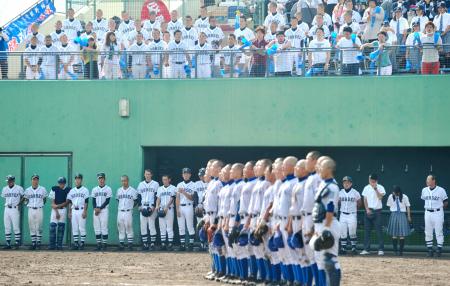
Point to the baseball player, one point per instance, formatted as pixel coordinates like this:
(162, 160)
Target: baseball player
(203, 57)
(132, 36)
(177, 56)
(311, 185)
(58, 216)
(151, 24)
(295, 222)
(230, 58)
(296, 36)
(199, 194)
(147, 190)
(203, 21)
(71, 26)
(48, 56)
(12, 194)
(164, 205)
(175, 24)
(126, 197)
(101, 196)
(35, 196)
(56, 35)
(32, 60)
(157, 47)
(243, 30)
(125, 27)
(138, 60)
(189, 33)
(66, 58)
(35, 33)
(100, 25)
(274, 16)
(282, 211)
(436, 200)
(78, 199)
(214, 36)
(185, 209)
(326, 225)
(349, 201)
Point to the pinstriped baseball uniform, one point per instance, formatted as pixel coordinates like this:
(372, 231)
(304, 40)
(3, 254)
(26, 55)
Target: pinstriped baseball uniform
(100, 195)
(36, 199)
(11, 215)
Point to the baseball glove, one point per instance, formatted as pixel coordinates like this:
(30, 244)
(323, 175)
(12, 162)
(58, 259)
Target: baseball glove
(261, 230)
(211, 230)
(253, 239)
(198, 212)
(146, 212)
(200, 224)
(234, 236)
(324, 241)
(161, 213)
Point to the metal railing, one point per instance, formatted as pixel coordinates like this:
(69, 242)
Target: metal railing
(304, 62)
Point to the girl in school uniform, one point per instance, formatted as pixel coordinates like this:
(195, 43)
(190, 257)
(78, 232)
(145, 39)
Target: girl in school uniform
(110, 57)
(399, 220)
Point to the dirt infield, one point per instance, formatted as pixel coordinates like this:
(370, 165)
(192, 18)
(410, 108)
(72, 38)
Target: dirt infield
(133, 268)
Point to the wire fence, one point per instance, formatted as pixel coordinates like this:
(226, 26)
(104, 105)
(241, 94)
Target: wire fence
(224, 63)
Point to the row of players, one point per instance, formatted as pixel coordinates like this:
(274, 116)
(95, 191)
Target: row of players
(154, 201)
(281, 221)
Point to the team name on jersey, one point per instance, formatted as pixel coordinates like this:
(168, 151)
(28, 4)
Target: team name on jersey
(127, 30)
(100, 28)
(213, 35)
(432, 198)
(189, 37)
(348, 199)
(78, 195)
(178, 49)
(35, 196)
(12, 195)
(100, 194)
(166, 194)
(70, 27)
(125, 196)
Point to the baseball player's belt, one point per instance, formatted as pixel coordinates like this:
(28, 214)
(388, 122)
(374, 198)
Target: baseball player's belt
(432, 211)
(297, 217)
(244, 215)
(146, 205)
(78, 208)
(183, 205)
(347, 213)
(178, 63)
(11, 207)
(35, 208)
(125, 210)
(210, 213)
(255, 215)
(281, 217)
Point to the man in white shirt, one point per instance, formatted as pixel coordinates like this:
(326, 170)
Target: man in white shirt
(138, 30)
(282, 58)
(243, 30)
(126, 197)
(435, 200)
(350, 48)
(189, 33)
(174, 24)
(319, 24)
(177, 56)
(151, 23)
(373, 194)
(203, 21)
(442, 23)
(319, 58)
(139, 60)
(203, 57)
(126, 26)
(71, 26)
(274, 16)
(100, 26)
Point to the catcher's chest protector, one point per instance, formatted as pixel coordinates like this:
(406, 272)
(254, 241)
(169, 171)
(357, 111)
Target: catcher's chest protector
(319, 211)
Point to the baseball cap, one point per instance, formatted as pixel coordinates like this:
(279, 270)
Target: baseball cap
(398, 9)
(101, 175)
(373, 177)
(414, 24)
(347, 178)
(186, 170)
(442, 5)
(201, 172)
(35, 176)
(348, 29)
(78, 175)
(10, 178)
(280, 33)
(62, 180)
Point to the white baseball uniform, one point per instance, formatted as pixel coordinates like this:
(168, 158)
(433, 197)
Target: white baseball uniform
(244, 211)
(147, 191)
(100, 27)
(177, 59)
(166, 195)
(56, 37)
(149, 26)
(189, 35)
(125, 199)
(246, 33)
(295, 212)
(66, 57)
(201, 24)
(99, 197)
(311, 185)
(138, 53)
(79, 199)
(11, 215)
(434, 214)
(124, 29)
(36, 199)
(172, 26)
(231, 58)
(211, 199)
(40, 38)
(203, 60)
(214, 35)
(348, 200)
(200, 189)
(133, 35)
(157, 46)
(32, 56)
(296, 37)
(186, 211)
(274, 17)
(72, 28)
(48, 65)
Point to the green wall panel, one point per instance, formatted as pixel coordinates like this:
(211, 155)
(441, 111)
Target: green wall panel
(82, 117)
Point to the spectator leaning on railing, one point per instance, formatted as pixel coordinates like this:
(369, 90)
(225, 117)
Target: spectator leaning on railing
(381, 55)
(430, 43)
(349, 44)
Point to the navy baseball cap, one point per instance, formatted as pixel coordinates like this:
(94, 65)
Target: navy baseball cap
(62, 180)
(201, 172)
(186, 170)
(347, 178)
(35, 176)
(101, 175)
(398, 9)
(442, 5)
(10, 178)
(78, 175)
(421, 7)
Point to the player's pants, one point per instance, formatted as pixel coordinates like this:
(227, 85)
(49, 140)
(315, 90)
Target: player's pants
(186, 219)
(35, 216)
(78, 225)
(348, 225)
(65, 75)
(101, 222)
(204, 71)
(11, 216)
(166, 226)
(177, 70)
(298, 255)
(125, 225)
(30, 74)
(306, 228)
(434, 222)
(139, 71)
(49, 71)
(298, 62)
(62, 216)
(148, 223)
(111, 70)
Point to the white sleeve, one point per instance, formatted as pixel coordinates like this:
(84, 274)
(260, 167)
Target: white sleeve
(406, 201)
(358, 196)
(444, 195)
(390, 201)
(364, 192)
(45, 192)
(382, 190)
(109, 193)
(3, 192)
(51, 195)
(422, 196)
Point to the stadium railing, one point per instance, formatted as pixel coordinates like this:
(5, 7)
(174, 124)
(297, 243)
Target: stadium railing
(217, 63)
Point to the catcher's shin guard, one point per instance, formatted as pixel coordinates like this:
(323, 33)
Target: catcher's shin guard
(333, 273)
